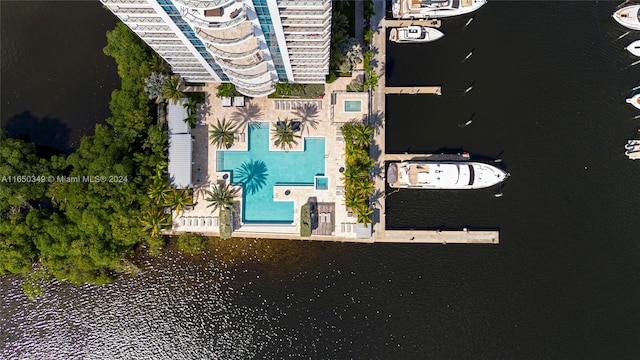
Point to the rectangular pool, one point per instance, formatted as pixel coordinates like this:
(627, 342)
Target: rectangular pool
(353, 106)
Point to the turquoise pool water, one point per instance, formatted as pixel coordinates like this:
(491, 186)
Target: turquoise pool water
(352, 106)
(259, 169)
(322, 183)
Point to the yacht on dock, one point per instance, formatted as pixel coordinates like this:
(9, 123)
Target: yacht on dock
(450, 175)
(414, 34)
(431, 9)
(634, 48)
(627, 16)
(634, 100)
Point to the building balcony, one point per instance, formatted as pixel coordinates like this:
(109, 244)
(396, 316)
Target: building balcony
(154, 27)
(227, 40)
(318, 31)
(131, 10)
(306, 37)
(202, 4)
(256, 80)
(250, 92)
(243, 66)
(197, 18)
(232, 55)
(305, 14)
(289, 4)
(109, 2)
(293, 22)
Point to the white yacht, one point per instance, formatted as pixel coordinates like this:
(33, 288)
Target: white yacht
(463, 175)
(414, 34)
(635, 101)
(634, 48)
(431, 9)
(627, 16)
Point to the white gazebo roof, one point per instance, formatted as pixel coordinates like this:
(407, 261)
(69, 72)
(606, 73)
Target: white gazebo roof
(176, 113)
(180, 158)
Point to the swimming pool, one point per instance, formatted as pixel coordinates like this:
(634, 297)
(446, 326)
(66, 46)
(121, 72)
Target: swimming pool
(259, 169)
(352, 106)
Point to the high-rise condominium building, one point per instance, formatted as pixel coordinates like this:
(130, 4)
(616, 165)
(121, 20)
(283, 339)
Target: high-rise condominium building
(250, 43)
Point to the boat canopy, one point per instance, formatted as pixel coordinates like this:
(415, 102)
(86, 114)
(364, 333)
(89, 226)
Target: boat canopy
(392, 174)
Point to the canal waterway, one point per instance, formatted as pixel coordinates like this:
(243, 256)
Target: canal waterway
(56, 82)
(549, 83)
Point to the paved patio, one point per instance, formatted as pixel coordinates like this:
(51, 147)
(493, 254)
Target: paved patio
(327, 120)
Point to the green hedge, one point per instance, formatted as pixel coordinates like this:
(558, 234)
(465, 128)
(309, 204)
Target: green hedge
(192, 243)
(305, 221)
(225, 224)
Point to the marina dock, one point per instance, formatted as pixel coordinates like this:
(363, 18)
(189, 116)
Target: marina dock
(380, 233)
(441, 237)
(413, 90)
(427, 157)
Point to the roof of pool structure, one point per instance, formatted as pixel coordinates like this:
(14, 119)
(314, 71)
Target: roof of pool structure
(258, 170)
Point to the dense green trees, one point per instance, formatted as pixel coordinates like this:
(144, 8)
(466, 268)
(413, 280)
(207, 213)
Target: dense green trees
(357, 181)
(77, 216)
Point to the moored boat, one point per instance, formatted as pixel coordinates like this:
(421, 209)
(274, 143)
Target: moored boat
(634, 48)
(414, 34)
(627, 16)
(451, 175)
(634, 100)
(432, 9)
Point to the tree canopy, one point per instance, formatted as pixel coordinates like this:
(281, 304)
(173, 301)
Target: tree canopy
(79, 215)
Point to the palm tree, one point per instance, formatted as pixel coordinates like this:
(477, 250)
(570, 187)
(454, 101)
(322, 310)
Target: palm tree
(364, 213)
(339, 23)
(178, 199)
(227, 90)
(223, 134)
(283, 88)
(362, 134)
(154, 85)
(284, 135)
(159, 191)
(246, 115)
(364, 188)
(222, 197)
(307, 114)
(153, 220)
(170, 89)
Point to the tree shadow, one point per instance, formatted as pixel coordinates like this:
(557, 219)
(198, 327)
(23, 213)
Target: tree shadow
(390, 66)
(247, 115)
(307, 114)
(253, 175)
(45, 132)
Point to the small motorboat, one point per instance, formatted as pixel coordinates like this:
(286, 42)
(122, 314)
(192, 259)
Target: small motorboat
(631, 144)
(634, 100)
(627, 16)
(633, 155)
(414, 34)
(634, 48)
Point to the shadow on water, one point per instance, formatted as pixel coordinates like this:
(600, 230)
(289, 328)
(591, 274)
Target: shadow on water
(253, 175)
(44, 132)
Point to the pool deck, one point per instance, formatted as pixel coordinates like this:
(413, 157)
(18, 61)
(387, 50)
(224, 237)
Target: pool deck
(330, 117)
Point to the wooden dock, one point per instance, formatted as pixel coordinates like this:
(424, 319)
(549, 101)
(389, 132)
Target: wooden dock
(434, 23)
(413, 90)
(464, 236)
(427, 157)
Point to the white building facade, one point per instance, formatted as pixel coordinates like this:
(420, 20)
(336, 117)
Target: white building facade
(250, 43)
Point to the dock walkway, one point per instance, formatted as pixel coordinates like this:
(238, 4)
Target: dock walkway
(413, 90)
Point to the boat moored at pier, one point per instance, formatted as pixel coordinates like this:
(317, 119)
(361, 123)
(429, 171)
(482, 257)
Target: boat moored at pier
(414, 34)
(634, 48)
(628, 16)
(449, 175)
(432, 9)
(634, 100)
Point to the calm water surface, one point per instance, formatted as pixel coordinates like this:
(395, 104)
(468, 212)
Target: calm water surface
(56, 82)
(549, 82)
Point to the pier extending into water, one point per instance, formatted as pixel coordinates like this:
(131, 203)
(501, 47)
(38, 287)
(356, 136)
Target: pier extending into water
(380, 233)
(413, 90)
